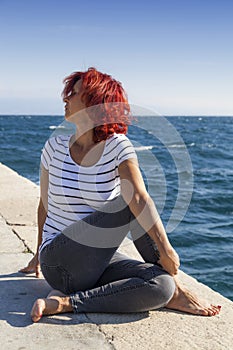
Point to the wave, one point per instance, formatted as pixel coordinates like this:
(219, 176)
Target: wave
(53, 127)
(143, 148)
(181, 145)
(146, 148)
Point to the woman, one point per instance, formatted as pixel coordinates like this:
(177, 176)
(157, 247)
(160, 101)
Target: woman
(92, 194)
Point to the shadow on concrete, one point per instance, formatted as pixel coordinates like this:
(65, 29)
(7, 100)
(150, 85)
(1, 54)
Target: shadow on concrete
(18, 292)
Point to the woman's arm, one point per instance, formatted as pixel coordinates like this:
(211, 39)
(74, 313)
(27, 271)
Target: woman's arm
(33, 265)
(43, 204)
(142, 206)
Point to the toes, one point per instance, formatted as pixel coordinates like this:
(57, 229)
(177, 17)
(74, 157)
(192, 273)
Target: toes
(203, 312)
(216, 309)
(36, 318)
(213, 311)
(37, 310)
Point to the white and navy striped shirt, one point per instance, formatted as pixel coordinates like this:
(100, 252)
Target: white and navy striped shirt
(75, 191)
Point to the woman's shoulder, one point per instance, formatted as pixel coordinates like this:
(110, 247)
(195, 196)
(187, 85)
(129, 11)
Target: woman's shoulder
(57, 141)
(62, 139)
(122, 147)
(117, 138)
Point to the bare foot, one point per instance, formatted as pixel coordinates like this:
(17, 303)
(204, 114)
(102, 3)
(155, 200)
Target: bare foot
(55, 293)
(55, 303)
(184, 300)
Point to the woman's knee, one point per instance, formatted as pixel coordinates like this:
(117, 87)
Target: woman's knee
(164, 287)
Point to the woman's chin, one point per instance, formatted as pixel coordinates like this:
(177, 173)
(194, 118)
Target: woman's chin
(68, 117)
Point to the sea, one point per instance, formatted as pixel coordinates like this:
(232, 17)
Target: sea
(187, 166)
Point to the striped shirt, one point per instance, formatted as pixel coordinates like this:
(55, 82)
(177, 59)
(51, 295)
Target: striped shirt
(76, 191)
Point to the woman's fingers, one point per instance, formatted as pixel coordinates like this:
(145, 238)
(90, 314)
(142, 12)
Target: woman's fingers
(38, 272)
(27, 269)
(170, 261)
(33, 266)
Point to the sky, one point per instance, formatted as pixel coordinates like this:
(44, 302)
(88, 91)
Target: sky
(173, 57)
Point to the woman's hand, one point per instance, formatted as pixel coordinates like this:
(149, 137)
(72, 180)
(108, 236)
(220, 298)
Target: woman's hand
(169, 260)
(33, 266)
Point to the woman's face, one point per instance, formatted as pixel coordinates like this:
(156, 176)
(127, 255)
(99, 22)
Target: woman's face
(73, 103)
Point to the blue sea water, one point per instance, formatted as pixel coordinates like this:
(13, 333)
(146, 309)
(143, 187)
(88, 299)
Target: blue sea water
(203, 238)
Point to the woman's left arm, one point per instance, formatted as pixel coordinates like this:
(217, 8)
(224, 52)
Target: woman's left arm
(142, 206)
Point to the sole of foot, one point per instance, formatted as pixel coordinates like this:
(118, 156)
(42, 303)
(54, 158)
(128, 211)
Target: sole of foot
(55, 303)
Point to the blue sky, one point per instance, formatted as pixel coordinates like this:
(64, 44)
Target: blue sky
(172, 56)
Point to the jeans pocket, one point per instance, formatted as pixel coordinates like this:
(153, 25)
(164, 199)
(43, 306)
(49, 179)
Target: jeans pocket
(57, 277)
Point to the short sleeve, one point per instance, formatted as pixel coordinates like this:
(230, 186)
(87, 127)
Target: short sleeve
(125, 150)
(47, 153)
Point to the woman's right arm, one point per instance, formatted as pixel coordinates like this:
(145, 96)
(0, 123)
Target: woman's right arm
(34, 265)
(142, 206)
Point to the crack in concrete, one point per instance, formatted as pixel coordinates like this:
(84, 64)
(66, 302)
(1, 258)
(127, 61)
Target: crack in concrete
(14, 224)
(108, 339)
(28, 249)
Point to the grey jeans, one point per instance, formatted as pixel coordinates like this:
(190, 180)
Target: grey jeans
(83, 262)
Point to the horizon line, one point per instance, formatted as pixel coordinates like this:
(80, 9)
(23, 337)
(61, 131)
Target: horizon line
(149, 115)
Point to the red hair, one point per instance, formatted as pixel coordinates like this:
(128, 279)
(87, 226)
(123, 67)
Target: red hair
(110, 108)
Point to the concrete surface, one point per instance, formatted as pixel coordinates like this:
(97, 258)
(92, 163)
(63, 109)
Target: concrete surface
(161, 329)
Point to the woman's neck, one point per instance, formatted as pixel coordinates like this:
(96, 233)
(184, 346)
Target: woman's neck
(84, 130)
(84, 139)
